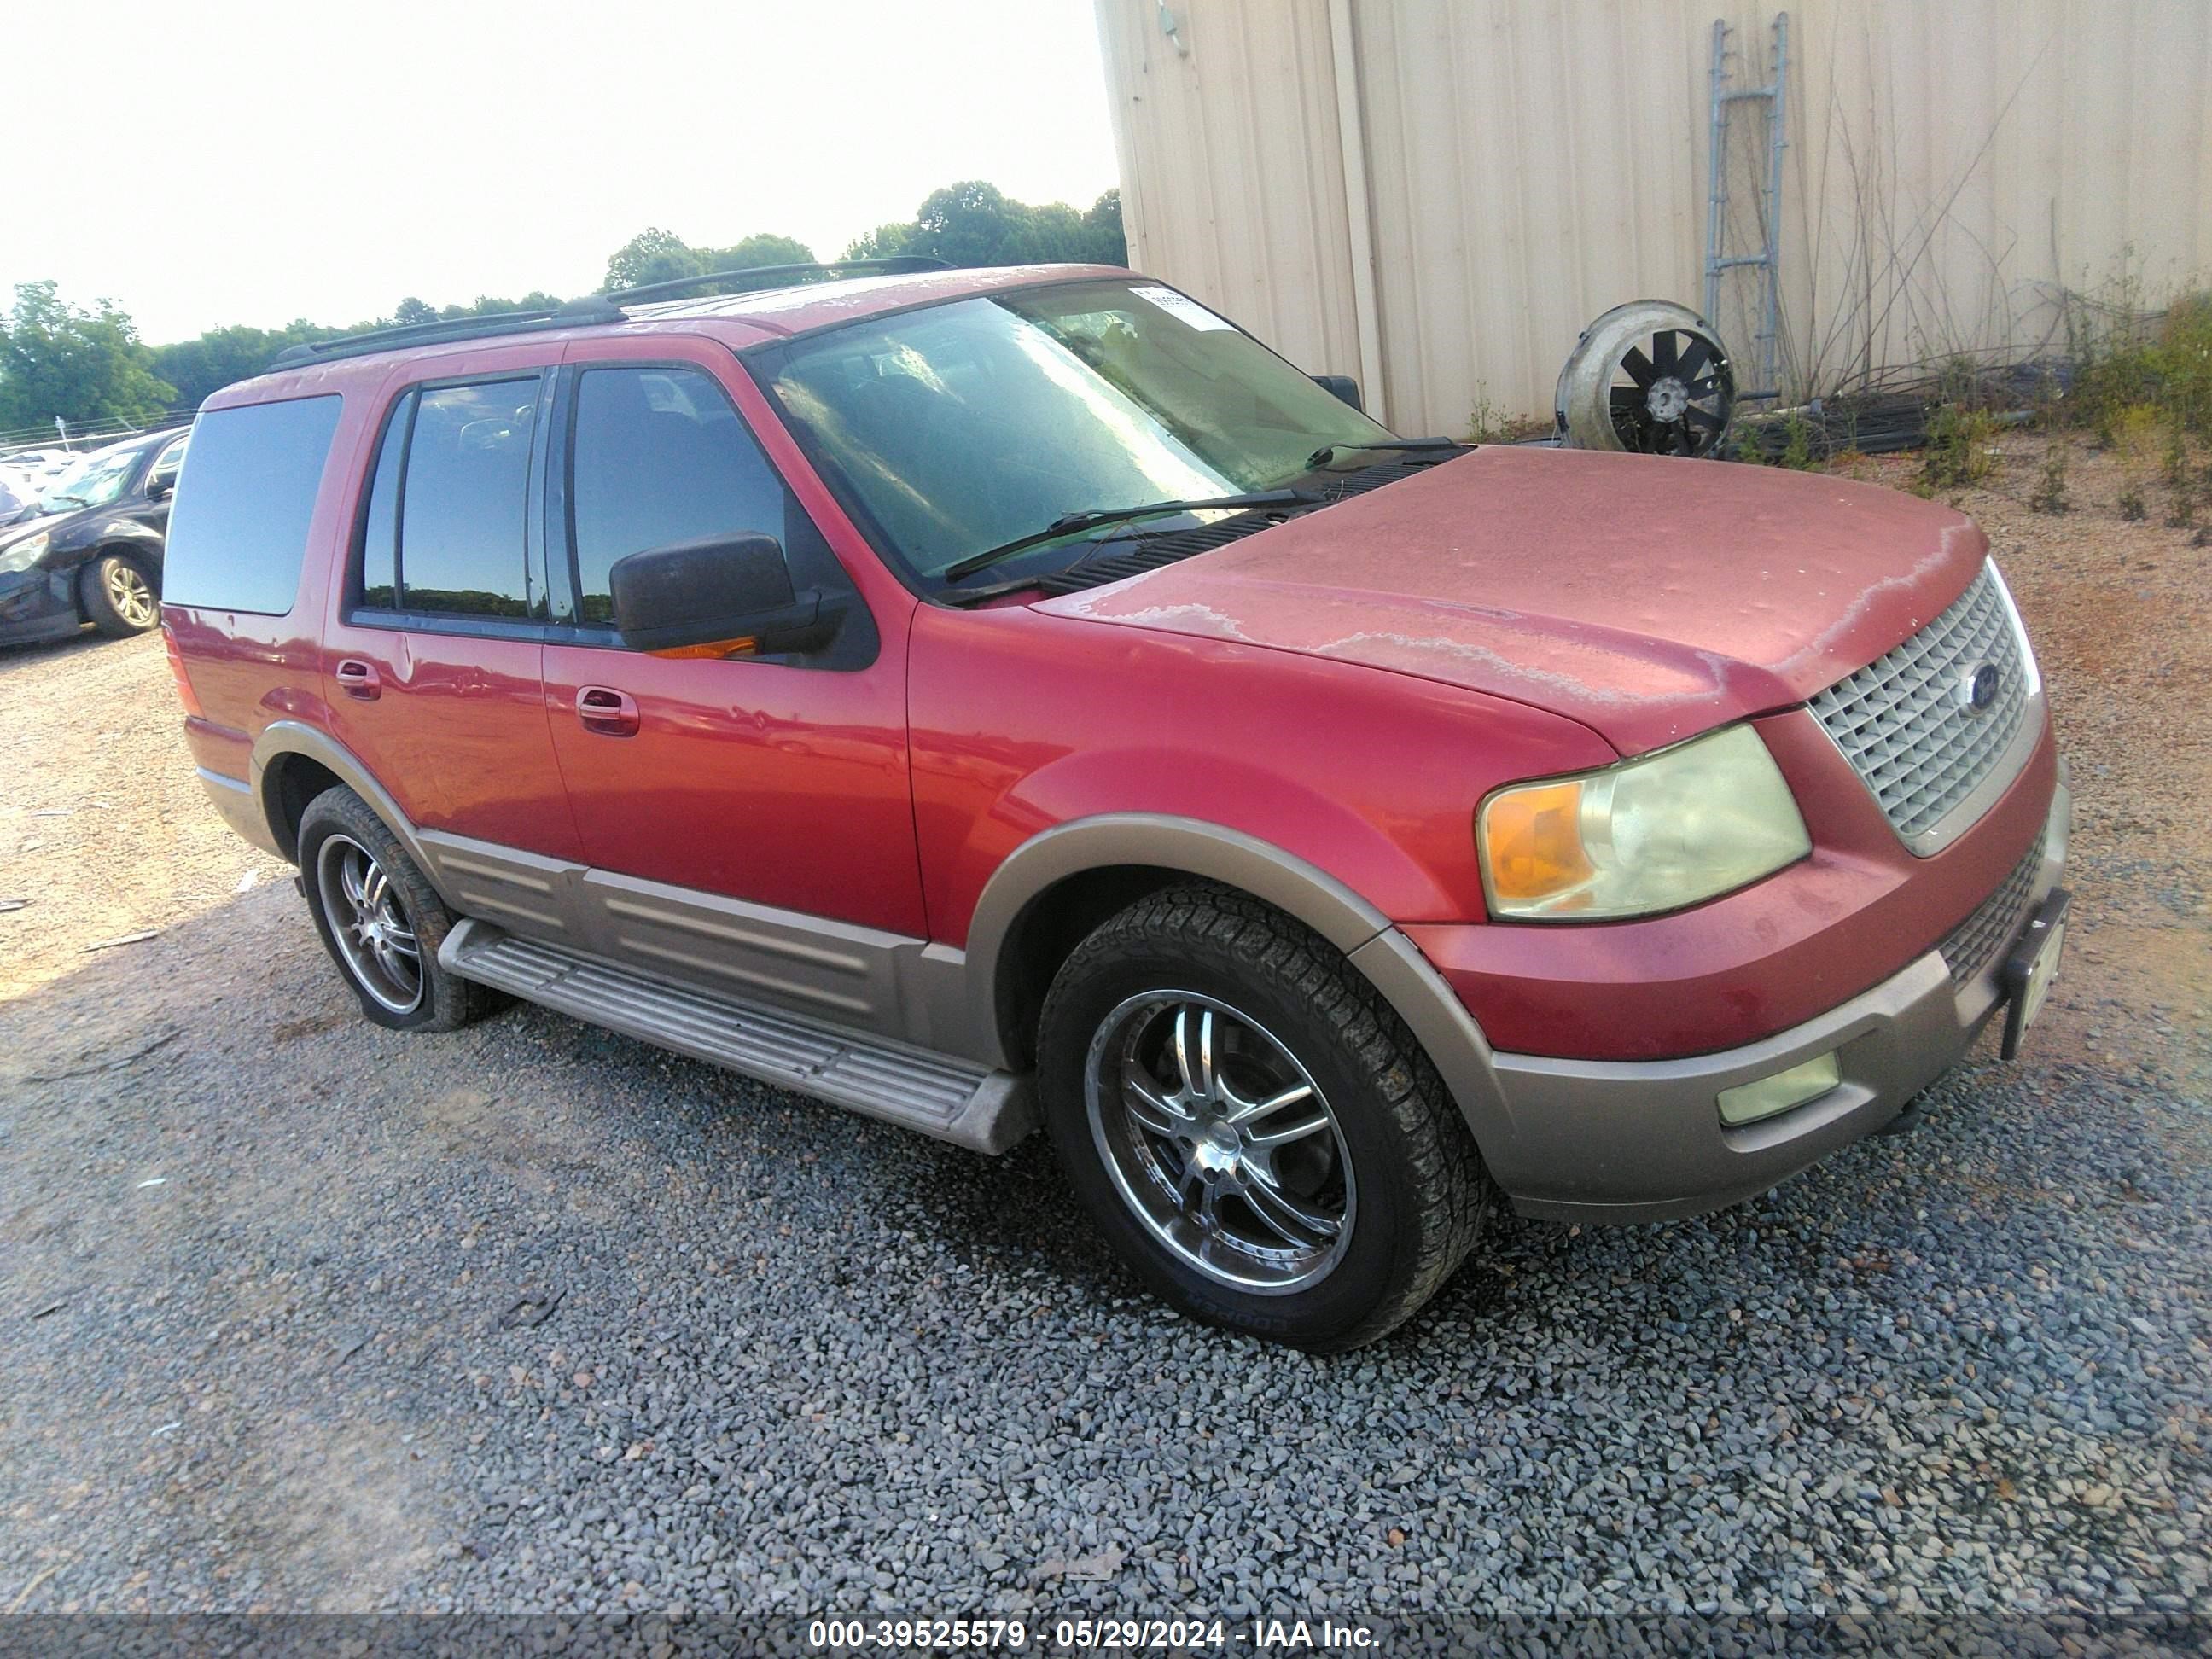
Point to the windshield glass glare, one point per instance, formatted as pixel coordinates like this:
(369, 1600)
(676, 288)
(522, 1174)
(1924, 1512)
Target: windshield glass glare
(964, 426)
(95, 481)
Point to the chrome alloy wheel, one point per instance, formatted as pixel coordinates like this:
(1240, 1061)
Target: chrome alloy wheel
(372, 933)
(130, 593)
(1219, 1142)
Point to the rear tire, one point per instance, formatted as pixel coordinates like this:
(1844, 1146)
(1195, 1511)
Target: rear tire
(1251, 1126)
(120, 597)
(380, 919)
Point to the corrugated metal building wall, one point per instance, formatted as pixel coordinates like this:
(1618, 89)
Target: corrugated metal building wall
(1439, 195)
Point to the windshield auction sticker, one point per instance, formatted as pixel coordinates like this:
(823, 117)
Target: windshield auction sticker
(1180, 305)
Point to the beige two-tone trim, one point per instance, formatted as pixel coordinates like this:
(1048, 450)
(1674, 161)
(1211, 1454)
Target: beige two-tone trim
(281, 739)
(1192, 847)
(901, 995)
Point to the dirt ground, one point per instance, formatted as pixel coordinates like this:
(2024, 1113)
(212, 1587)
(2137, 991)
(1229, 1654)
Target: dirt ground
(105, 831)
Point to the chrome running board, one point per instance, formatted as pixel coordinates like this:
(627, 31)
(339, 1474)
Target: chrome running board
(954, 1100)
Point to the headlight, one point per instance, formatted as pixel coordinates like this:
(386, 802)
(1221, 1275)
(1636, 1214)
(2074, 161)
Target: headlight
(18, 556)
(1654, 834)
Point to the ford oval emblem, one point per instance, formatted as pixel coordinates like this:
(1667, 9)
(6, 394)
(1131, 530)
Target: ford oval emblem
(1977, 689)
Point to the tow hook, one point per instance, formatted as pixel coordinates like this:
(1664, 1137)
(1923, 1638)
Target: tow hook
(1906, 1120)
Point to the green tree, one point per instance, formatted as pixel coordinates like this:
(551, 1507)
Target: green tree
(1103, 242)
(412, 311)
(971, 223)
(485, 304)
(662, 256)
(652, 255)
(883, 242)
(57, 359)
(198, 367)
(766, 248)
(976, 224)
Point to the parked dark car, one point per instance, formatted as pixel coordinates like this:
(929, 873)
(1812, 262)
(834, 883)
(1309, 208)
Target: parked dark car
(91, 552)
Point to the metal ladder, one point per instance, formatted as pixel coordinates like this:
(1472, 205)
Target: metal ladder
(1768, 260)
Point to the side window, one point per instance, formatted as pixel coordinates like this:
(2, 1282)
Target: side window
(239, 532)
(166, 465)
(462, 508)
(443, 533)
(659, 455)
(379, 542)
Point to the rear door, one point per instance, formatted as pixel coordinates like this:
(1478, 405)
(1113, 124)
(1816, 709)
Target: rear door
(433, 661)
(779, 784)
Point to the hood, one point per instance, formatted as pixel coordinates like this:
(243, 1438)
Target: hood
(1650, 599)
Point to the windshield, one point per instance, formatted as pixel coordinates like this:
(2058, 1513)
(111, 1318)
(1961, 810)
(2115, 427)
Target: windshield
(95, 481)
(965, 426)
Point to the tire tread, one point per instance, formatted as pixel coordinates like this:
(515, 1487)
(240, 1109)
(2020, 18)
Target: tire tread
(1305, 969)
(450, 1002)
(93, 597)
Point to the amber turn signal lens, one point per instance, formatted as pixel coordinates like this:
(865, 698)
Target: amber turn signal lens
(713, 648)
(1534, 842)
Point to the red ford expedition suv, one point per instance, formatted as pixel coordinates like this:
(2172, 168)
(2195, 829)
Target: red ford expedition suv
(990, 699)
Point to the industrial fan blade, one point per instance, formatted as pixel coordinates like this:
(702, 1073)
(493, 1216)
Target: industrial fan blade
(1649, 377)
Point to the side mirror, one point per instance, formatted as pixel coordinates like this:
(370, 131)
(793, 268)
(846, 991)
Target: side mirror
(160, 486)
(721, 596)
(1342, 387)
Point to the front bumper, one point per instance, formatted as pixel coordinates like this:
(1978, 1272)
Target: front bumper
(37, 605)
(1641, 1140)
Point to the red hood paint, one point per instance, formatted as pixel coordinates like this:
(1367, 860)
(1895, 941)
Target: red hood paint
(1651, 600)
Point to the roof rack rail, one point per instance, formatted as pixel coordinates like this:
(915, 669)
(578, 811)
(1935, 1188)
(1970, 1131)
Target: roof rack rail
(447, 328)
(591, 309)
(654, 290)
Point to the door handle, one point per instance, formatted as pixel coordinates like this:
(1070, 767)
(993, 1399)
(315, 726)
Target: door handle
(360, 679)
(610, 713)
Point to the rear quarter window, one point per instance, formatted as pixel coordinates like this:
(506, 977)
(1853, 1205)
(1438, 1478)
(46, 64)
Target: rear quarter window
(244, 503)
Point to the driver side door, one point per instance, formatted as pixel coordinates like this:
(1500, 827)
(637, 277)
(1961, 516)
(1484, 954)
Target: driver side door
(748, 822)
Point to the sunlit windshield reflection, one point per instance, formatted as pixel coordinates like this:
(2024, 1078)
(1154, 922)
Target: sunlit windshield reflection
(96, 480)
(965, 426)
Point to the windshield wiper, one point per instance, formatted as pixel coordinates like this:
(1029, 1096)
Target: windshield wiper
(1327, 453)
(56, 496)
(1068, 523)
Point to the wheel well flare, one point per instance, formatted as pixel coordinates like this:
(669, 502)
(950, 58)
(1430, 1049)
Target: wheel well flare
(288, 782)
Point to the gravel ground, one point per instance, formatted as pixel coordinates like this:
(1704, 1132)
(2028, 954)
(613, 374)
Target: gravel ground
(300, 1314)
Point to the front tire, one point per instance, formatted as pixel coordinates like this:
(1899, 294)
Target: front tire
(380, 919)
(1251, 1126)
(119, 597)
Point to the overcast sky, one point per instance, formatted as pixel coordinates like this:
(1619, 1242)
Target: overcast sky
(218, 162)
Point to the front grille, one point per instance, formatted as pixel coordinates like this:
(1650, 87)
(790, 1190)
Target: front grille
(1901, 721)
(1974, 944)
